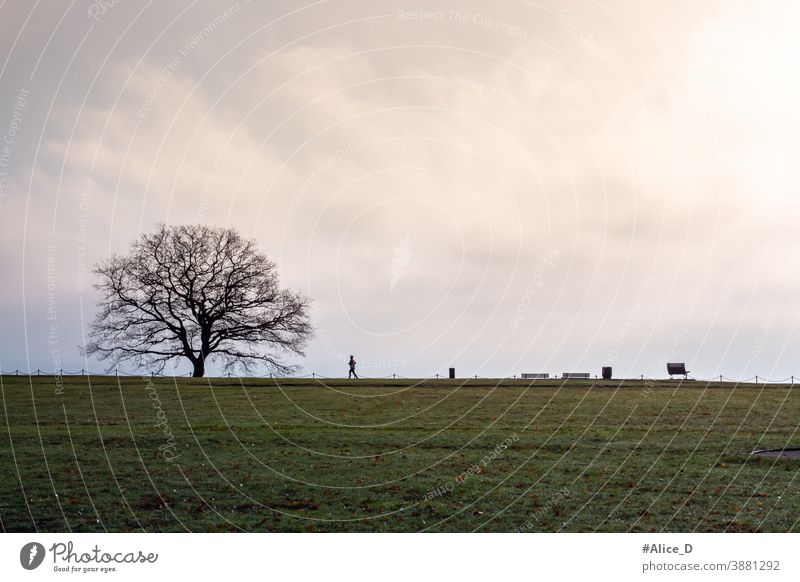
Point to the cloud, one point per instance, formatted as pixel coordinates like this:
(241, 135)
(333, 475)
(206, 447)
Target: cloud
(650, 150)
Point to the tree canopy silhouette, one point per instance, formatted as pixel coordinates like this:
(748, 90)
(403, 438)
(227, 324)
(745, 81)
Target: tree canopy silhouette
(197, 292)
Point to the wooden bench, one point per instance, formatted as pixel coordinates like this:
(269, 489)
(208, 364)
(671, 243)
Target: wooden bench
(576, 376)
(535, 376)
(677, 369)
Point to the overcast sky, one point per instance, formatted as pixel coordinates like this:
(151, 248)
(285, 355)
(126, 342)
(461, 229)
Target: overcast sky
(501, 187)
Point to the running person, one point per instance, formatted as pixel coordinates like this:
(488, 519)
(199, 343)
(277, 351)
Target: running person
(352, 364)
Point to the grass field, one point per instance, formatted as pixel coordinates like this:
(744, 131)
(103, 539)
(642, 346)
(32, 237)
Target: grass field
(102, 454)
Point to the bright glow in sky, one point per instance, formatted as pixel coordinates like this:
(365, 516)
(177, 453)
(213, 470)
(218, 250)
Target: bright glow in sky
(504, 188)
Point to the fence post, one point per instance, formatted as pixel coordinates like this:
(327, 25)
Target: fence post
(313, 375)
(38, 372)
(642, 377)
(394, 376)
(720, 377)
(437, 376)
(756, 378)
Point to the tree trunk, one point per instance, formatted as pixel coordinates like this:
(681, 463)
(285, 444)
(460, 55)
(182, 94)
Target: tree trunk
(199, 368)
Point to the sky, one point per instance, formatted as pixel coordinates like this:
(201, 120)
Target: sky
(501, 187)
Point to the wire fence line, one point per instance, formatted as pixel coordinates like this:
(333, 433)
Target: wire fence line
(315, 376)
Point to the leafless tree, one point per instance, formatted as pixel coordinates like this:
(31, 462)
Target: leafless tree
(196, 292)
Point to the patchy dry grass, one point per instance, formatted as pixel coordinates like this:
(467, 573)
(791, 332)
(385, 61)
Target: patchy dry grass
(300, 455)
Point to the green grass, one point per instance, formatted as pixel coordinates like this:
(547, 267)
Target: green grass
(255, 455)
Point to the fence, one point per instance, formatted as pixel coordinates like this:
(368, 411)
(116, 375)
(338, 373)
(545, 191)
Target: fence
(313, 375)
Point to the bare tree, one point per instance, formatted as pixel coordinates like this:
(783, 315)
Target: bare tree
(196, 292)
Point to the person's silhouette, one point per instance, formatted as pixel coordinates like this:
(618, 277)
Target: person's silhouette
(352, 364)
